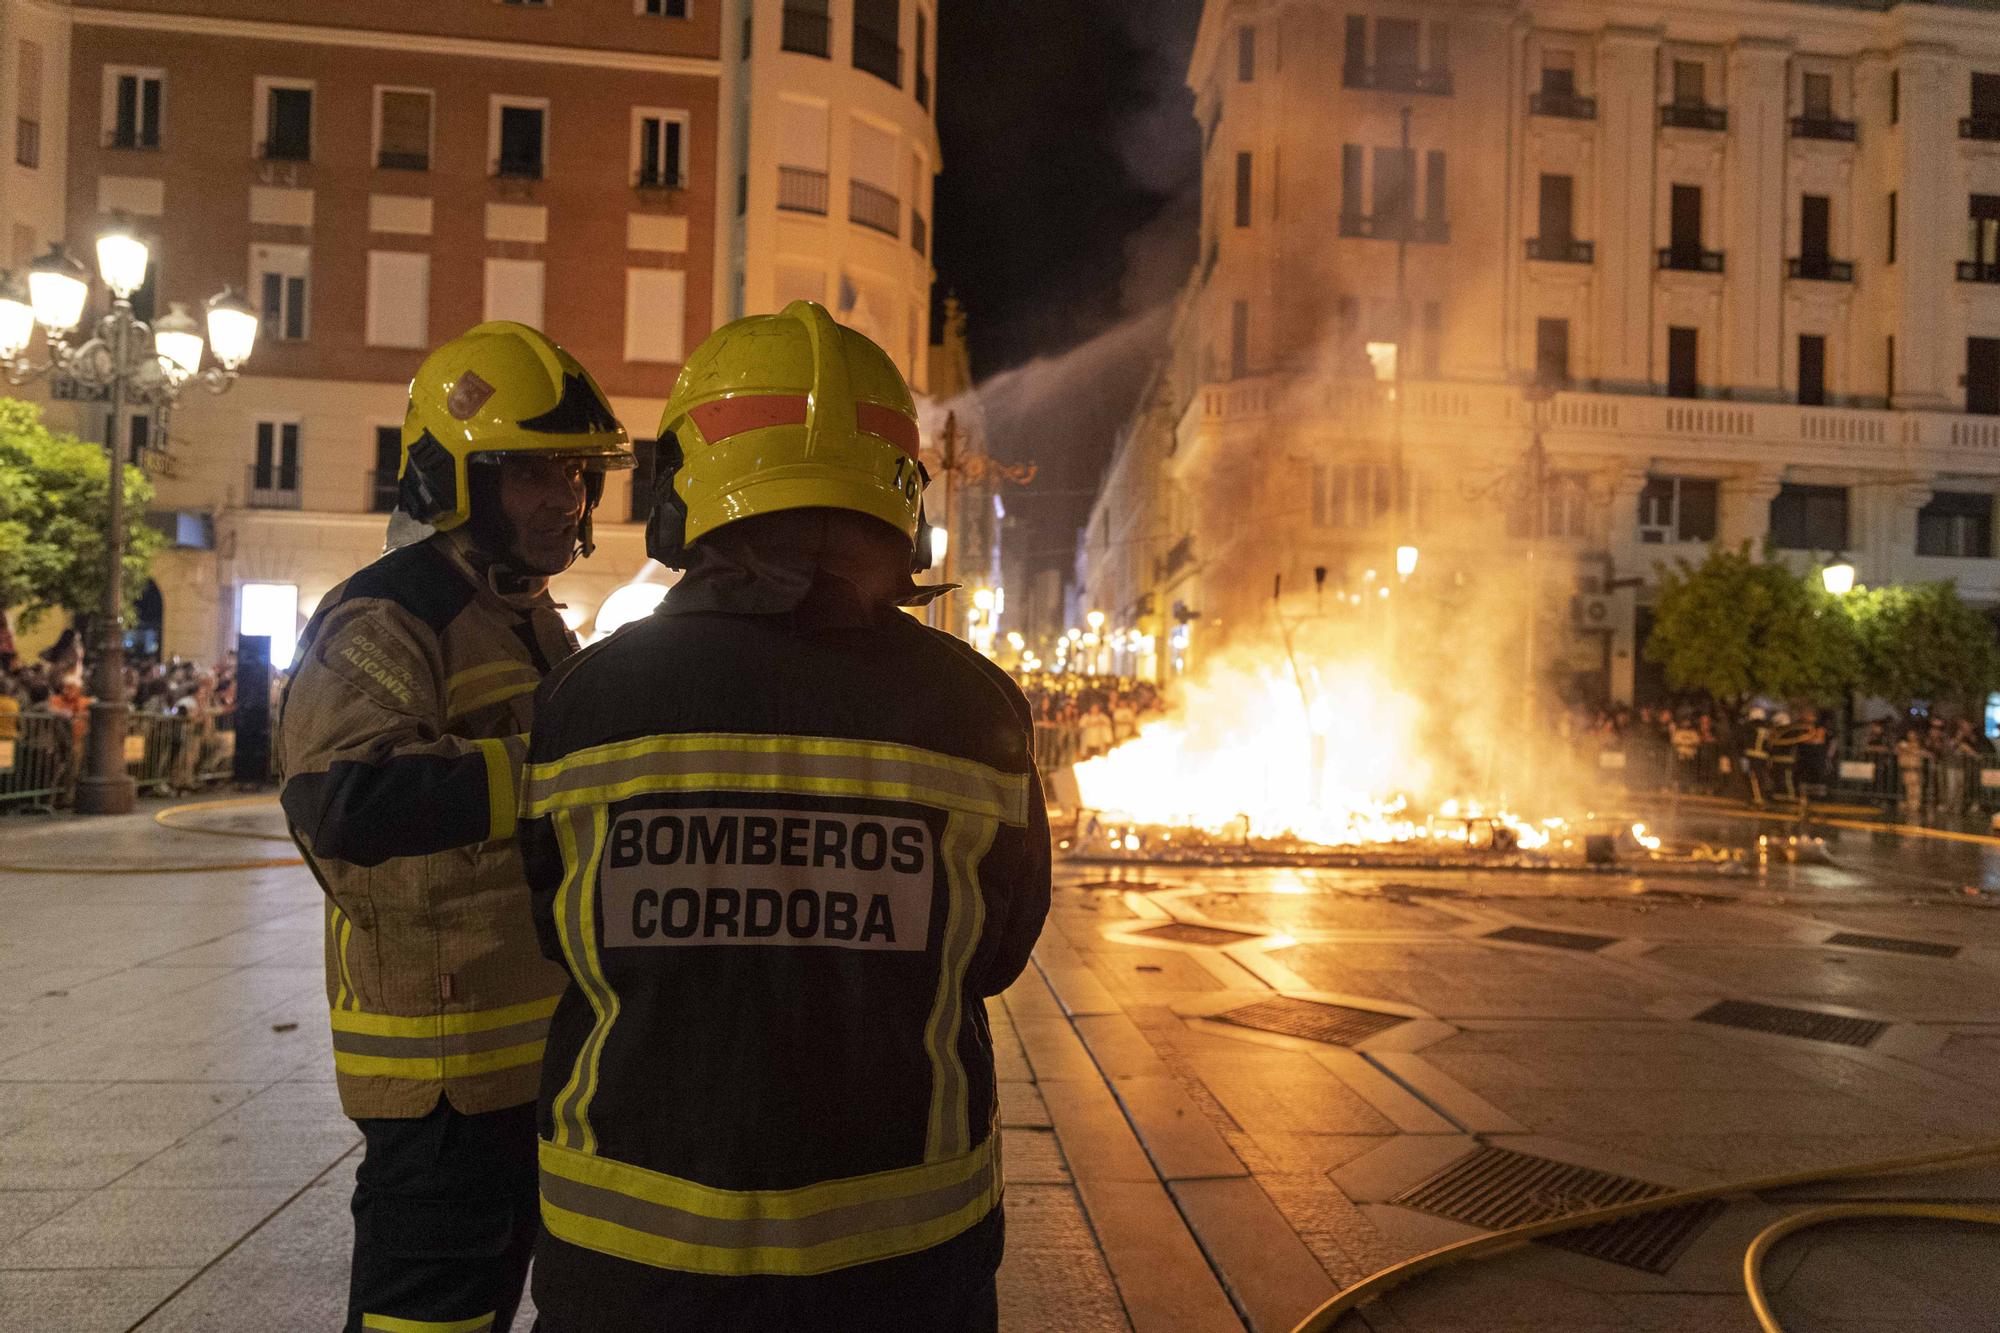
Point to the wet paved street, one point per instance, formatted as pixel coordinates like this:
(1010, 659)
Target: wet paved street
(1226, 1094)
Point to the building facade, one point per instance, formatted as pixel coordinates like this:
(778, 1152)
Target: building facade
(1614, 282)
(833, 148)
(378, 183)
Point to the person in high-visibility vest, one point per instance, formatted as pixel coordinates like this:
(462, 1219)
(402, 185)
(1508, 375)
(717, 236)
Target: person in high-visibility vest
(401, 739)
(786, 840)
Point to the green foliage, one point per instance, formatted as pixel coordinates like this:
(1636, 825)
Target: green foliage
(1733, 627)
(54, 509)
(1923, 642)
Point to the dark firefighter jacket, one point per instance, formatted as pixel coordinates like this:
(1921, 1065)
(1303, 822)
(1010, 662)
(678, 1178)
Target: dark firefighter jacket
(783, 865)
(401, 740)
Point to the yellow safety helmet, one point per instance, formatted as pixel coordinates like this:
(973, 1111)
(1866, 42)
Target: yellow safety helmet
(500, 388)
(787, 411)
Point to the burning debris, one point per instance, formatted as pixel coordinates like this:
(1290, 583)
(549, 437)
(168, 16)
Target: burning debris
(1302, 759)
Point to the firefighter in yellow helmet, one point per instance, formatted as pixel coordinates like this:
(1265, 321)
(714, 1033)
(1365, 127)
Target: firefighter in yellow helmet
(401, 739)
(785, 840)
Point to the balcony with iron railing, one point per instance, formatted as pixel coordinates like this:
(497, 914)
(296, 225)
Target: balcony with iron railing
(271, 150)
(874, 208)
(1978, 270)
(1824, 127)
(1694, 116)
(806, 32)
(1562, 250)
(518, 167)
(127, 136)
(878, 54)
(1818, 268)
(269, 486)
(1691, 259)
(660, 176)
(802, 190)
(1563, 106)
(1984, 128)
(1395, 227)
(1397, 79)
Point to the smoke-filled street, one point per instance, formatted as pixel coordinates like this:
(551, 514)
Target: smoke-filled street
(1224, 1092)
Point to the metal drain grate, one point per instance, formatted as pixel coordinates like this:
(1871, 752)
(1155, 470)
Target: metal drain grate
(1552, 939)
(1497, 1188)
(1889, 944)
(1181, 932)
(1807, 1023)
(1334, 1024)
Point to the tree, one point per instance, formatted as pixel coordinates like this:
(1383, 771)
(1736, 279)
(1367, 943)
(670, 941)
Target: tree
(54, 509)
(1733, 627)
(1921, 642)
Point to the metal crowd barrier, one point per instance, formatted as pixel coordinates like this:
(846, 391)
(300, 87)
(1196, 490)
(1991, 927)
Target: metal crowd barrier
(1055, 745)
(40, 756)
(1943, 785)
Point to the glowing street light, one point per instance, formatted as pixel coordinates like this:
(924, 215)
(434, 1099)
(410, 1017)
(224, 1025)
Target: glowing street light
(1838, 579)
(1096, 621)
(125, 363)
(1406, 561)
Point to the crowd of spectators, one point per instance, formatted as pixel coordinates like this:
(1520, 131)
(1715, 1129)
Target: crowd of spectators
(1927, 765)
(1081, 717)
(55, 683)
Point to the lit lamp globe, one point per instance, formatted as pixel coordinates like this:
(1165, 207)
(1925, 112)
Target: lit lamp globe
(1406, 561)
(232, 328)
(633, 601)
(121, 260)
(1095, 620)
(940, 543)
(177, 342)
(17, 317)
(58, 285)
(983, 599)
(1838, 579)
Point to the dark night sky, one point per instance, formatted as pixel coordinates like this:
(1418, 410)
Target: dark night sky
(1066, 208)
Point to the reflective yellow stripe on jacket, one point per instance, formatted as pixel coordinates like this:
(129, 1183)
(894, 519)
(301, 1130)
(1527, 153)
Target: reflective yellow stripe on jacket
(438, 1046)
(657, 1219)
(812, 766)
(645, 1216)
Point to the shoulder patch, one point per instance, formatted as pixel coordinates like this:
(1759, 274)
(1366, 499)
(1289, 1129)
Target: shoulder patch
(420, 580)
(371, 656)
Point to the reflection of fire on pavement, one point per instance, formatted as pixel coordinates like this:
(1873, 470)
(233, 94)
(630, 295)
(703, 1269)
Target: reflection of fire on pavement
(1324, 764)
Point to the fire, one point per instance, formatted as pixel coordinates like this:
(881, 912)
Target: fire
(1333, 754)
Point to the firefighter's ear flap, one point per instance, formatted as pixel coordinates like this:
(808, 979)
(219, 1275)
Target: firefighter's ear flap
(921, 553)
(429, 485)
(666, 525)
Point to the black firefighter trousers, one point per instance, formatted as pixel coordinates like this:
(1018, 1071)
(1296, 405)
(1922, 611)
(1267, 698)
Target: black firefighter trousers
(446, 1211)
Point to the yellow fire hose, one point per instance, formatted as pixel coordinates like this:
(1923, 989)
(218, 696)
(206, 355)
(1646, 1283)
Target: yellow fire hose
(164, 819)
(1323, 1319)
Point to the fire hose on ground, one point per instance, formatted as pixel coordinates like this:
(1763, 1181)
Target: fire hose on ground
(165, 819)
(1324, 1319)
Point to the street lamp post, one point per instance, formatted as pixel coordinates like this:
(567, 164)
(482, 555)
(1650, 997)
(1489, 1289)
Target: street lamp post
(125, 361)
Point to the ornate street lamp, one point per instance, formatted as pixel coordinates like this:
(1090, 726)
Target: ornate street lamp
(129, 363)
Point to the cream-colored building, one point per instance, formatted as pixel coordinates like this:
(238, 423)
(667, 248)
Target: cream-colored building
(1735, 265)
(831, 154)
(623, 173)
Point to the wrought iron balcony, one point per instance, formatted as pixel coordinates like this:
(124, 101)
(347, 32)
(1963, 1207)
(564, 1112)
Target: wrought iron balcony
(662, 176)
(1694, 116)
(1819, 269)
(381, 492)
(1565, 106)
(1977, 270)
(1823, 127)
(1394, 227)
(1397, 79)
(876, 209)
(1562, 251)
(1689, 259)
(276, 150)
(272, 487)
(1980, 127)
(801, 190)
(125, 136)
